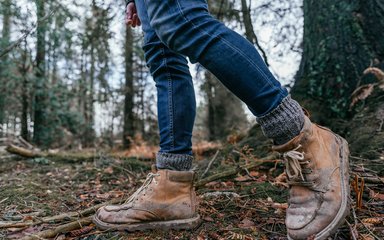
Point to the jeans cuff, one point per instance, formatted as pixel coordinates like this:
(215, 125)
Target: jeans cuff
(284, 122)
(171, 161)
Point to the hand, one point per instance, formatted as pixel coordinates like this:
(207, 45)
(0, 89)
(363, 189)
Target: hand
(131, 17)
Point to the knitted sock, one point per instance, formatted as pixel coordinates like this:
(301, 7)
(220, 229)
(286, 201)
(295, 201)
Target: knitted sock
(171, 161)
(284, 122)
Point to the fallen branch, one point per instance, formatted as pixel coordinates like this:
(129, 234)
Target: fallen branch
(24, 152)
(51, 233)
(70, 157)
(63, 156)
(16, 43)
(235, 171)
(69, 216)
(210, 164)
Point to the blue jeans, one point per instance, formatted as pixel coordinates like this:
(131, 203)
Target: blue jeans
(174, 29)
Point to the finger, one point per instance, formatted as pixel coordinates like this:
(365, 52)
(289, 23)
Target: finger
(129, 22)
(135, 18)
(129, 13)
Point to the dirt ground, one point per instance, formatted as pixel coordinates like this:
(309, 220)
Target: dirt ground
(248, 205)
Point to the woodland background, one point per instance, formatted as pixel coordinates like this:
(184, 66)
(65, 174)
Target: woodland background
(78, 107)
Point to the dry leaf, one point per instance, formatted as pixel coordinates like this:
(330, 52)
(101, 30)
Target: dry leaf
(367, 237)
(246, 223)
(361, 93)
(376, 196)
(254, 174)
(379, 74)
(208, 219)
(374, 220)
(108, 170)
(82, 231)
(280, 205)
(242, 179)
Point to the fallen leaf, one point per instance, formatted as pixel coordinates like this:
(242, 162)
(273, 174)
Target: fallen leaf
(246, 223)
(208, 219)
(361, 93)
(108, 170)
(379, 74)
(367, 237)
(374, 220)
(254, 174)
(279, 205)
(28, 218)
(376, 196)
(242, 179)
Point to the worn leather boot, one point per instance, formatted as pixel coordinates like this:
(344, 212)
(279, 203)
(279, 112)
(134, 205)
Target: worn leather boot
(166, 200)
(318, 174)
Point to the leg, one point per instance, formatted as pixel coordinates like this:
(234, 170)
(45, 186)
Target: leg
(167, 199)
(187, 27)
(175, 97)
(316, 158)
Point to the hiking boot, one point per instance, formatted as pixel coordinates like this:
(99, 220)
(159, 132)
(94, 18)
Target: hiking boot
(318, 175)
(166, 200)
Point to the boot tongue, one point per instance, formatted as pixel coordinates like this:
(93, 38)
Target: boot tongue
(154, 168)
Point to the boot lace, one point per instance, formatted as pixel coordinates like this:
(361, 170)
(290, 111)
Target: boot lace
(295, 167)
(147, 182)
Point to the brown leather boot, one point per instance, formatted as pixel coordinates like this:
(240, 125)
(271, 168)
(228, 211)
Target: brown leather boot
(166, 200)
(318, 172)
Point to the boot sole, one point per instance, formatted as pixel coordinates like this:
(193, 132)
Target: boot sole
(345, 188)
(179, 224)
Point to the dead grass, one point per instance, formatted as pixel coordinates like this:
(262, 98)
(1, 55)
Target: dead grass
(32, 189)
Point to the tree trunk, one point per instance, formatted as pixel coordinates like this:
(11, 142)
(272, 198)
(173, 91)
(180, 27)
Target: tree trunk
(341, 39)
(225, 112)
(4, 42)
(25, 95)
(209, 91)
(41, 133)
(128, 131)
(248, 25)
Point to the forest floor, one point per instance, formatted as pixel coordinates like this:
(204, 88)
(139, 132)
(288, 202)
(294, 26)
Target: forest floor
(249, 204)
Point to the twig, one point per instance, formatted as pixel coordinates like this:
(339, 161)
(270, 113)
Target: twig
(16, 43)
(50, 233)
(353, 230)
(234, 171)
(70, 216)
(369, 230)
(124, 169)
(210, 164)
(218, 194)
(25, 142)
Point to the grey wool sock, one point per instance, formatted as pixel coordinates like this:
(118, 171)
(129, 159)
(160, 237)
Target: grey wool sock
(284, 122)
(171, 161)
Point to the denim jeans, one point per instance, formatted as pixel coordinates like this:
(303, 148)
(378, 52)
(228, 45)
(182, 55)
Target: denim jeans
(174, 29)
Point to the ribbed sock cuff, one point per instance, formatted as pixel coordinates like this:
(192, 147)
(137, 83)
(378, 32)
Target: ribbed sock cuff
(177, 162)
(284, 122)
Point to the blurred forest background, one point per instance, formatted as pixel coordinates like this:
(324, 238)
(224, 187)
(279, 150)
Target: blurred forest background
(74, 76)
(74, 81)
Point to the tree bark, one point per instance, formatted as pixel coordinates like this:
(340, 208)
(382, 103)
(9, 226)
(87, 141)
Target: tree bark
(249, 32)
(341, 39)
(209, 91)
(25, 95)
(225, 114)
(4, 42)
(128, 131)
(41, 134)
